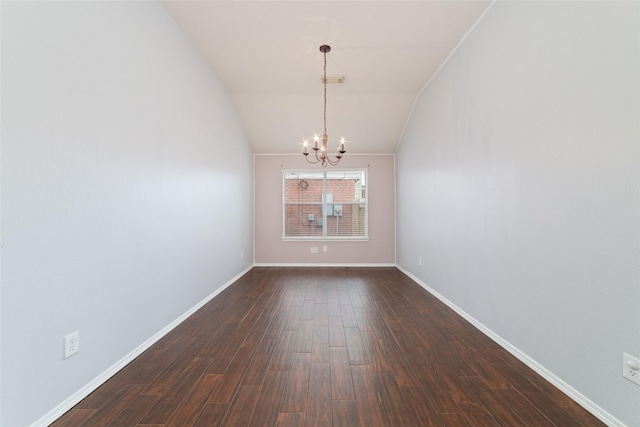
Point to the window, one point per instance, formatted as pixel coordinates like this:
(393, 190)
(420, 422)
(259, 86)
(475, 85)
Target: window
(325, 205)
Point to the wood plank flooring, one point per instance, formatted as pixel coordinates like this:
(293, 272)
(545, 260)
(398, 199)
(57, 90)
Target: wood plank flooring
(326, 347)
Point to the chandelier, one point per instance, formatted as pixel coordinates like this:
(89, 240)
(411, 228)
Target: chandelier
(320, 150)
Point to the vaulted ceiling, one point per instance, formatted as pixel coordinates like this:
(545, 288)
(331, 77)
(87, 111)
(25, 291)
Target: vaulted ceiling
(267, 54)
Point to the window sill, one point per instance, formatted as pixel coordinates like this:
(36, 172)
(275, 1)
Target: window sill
(325, 239)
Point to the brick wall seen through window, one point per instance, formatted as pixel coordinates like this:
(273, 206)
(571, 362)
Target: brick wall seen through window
(328, 205)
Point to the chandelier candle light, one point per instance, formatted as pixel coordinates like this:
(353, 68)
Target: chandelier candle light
(323, 156)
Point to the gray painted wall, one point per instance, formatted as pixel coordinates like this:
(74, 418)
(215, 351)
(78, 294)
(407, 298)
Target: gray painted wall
(126, 190)
(518, 184)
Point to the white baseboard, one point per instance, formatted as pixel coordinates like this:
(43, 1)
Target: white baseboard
(578, 397)
(71, 401)
(279, 264)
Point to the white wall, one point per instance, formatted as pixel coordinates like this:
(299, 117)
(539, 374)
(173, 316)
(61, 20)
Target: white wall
(518, 185)
(126, 190)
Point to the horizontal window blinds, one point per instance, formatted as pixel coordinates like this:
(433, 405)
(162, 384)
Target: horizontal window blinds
(325, 204)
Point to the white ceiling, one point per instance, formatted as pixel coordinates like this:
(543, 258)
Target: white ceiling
(267, 54)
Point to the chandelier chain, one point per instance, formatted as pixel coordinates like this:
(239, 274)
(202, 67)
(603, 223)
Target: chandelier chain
(319, 148)
(324, 81)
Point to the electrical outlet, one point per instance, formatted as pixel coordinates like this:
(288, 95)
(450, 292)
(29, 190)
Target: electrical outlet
(241, 254)
(324, 249)
(71, 344)
(314, 249)
(419, 260)
(631, 368)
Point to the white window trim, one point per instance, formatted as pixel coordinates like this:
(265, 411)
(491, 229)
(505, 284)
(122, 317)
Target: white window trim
(364, 238)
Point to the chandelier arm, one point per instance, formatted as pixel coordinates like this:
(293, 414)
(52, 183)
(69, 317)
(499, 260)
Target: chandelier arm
(318, 159)
(333, 163)
(311, 161)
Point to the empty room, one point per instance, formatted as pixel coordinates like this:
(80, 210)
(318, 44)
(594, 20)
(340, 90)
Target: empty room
(319, 213)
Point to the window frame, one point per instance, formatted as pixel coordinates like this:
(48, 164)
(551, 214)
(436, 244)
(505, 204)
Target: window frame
(324, 237)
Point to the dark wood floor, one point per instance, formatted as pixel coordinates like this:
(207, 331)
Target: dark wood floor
(323, 347)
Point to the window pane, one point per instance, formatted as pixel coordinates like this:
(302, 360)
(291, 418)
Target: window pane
(325, 204)
(303, 220)
(345, 187)
(303, 187)
(348, 220)
(346, 203)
